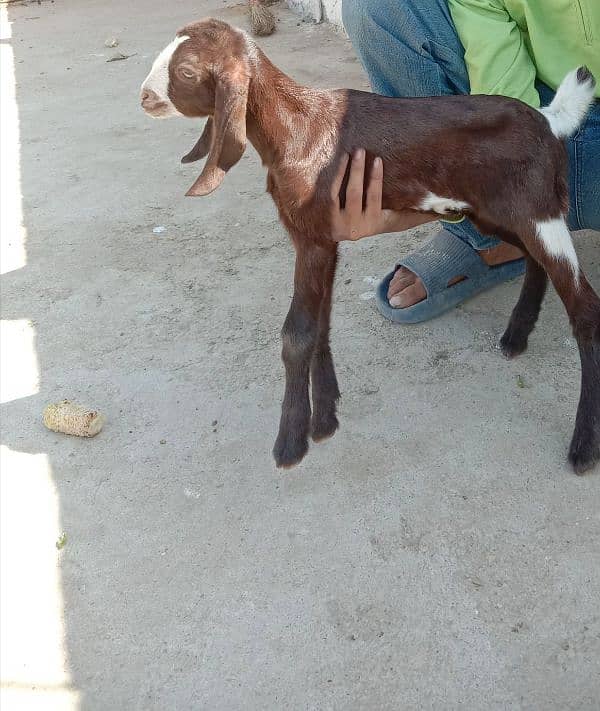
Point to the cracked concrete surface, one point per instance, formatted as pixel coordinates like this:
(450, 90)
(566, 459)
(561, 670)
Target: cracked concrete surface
(436, 554)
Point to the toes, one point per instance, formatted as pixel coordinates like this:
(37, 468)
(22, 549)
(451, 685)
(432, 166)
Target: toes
(403, 272)
(401, 279)
(413, 294)
(400, 285)
(405, 289)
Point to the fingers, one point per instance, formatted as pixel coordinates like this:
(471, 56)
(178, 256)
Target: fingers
(375, 189)
(352, 222)
(336, 186)
(354, 191)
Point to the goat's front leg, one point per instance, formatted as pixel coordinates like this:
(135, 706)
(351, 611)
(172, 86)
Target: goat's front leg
(325, 390)
(299, 335)
(526, 312)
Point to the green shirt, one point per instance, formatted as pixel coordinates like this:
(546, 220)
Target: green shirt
(508, 43)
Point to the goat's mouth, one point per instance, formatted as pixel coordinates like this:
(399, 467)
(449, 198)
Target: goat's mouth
(159, 111)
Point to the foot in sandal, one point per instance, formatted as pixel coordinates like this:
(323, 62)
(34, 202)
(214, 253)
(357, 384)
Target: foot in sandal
(407, 289)
(442, 274)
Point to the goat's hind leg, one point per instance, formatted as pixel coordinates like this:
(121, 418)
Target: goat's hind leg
(554, 250)
(526, 312)
(584, 451)
(300, 334)
(325, 390)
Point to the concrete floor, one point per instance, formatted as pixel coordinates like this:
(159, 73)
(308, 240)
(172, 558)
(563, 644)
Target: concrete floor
(436, 554)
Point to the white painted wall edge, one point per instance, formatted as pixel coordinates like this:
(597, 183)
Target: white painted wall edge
(319, 10)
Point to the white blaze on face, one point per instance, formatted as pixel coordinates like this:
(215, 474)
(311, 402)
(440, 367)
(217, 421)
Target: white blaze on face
(158, 79)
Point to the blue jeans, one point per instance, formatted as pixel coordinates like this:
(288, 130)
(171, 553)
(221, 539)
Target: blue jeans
(410, 48)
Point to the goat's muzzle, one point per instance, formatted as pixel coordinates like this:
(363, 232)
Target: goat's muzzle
(152, 104)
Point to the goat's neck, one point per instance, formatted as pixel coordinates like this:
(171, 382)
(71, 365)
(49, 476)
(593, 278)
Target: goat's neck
(278, 112)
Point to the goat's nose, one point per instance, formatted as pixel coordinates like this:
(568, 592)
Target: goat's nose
(149, 98)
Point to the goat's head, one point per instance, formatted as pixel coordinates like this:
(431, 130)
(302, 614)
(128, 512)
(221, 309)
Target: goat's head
(205, 71)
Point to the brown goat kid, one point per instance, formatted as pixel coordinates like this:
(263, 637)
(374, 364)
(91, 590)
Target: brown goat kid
(494, 159)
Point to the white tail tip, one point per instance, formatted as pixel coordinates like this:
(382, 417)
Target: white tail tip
(571, 103)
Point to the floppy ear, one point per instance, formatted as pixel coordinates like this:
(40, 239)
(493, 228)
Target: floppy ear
(228, 131)
(202, 146)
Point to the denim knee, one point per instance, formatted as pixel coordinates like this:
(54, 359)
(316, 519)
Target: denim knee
(407, 47)
(353, 12)
(361, 17)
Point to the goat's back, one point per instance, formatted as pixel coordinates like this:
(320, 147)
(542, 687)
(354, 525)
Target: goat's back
(471, 143)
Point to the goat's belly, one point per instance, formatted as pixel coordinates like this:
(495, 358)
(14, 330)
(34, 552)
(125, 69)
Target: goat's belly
(424, 200)
(440, 204)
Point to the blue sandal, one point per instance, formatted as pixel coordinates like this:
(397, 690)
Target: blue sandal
(437, 263)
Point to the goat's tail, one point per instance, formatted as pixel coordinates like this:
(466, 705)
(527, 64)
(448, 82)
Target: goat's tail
(571, 103)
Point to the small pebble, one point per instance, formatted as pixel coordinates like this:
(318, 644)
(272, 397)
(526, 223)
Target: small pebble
(119, 56)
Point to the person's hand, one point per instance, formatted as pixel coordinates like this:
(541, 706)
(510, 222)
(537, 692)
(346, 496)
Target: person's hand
(353, 222)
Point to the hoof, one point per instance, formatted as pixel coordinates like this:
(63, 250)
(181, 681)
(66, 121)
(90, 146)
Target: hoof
(583, 456)
(324, 427)
(511, 346)
(289, 451)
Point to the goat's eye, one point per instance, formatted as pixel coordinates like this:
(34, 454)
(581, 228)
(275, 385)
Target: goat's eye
(186, 73)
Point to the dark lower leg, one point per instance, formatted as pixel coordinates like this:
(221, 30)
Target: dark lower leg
(583, 306)
(584, 451)
(299, 334)
(325, 390)
(526, 312)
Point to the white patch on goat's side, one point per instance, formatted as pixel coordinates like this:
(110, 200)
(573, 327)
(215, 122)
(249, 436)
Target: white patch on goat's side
(556, 238)
(570, 105)
(435, 203)
(158, 78)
